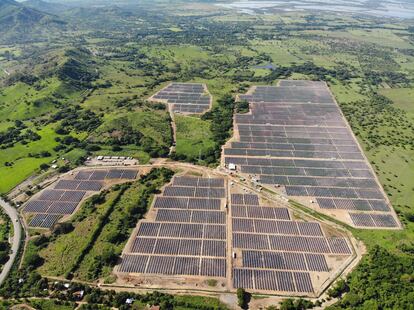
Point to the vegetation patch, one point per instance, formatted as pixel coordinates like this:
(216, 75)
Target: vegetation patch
(194, 140)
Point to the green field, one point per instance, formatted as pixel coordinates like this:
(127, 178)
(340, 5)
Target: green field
(61, 255)
(193, 136)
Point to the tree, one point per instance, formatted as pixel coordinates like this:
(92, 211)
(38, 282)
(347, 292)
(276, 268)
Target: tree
(243, 298)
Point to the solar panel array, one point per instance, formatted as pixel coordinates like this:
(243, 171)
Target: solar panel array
(108, 174)
(42, 220)
(66, 194)
(278, 254)
(296, 137)
(185, 97)
(188, 235)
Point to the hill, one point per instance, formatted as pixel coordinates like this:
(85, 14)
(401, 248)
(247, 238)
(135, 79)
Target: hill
(48, 7)
(19, 23)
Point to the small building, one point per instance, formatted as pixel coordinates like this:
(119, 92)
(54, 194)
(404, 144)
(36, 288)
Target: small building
(129, 301)
(232, 166)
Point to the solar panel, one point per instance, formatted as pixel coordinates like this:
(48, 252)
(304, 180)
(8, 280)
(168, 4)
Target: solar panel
(316, 262)
(339, 246)
(215, 232)
(265, 280)
(73, 196)
(204, 203)
(170, 230)
(133, 263)
(149, 229)
(213, 267)
(37, 206)
(93, 186)
(44, 220)
(114, 174)
(161, 265)
(191, 231)
(285, 281)
(98, 175)
(62, 207)
(190, 247)
(242, 278)
(143, 245)
(209, 217)
(187, 266)
(129, 174)
(167, 246)
(67, 184)
(384, 220)
(171, 202)
(51, 194)
(303, 282)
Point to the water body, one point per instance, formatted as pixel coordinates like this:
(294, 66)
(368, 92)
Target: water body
(391, 9)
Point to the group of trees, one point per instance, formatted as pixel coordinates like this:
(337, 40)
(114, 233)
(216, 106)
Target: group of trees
(78, 69)
(381, 281)
(221, 117)
(75, 118)
(17, 133)
(340, 73)
(379, 123)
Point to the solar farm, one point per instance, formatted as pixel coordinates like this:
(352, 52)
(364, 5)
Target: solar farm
(201, 228)
(295, 140)
(64, 196)
(186, 98)
(274, 253)
(187, 235)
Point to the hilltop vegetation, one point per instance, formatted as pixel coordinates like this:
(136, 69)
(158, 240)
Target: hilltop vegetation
(19, 23)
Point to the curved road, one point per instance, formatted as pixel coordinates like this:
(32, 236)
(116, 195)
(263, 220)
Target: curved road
(17, 236)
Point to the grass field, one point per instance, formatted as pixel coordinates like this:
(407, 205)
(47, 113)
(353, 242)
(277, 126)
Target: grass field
(88, 269)
(403, 98)
(193, 136)
(23, 165)
(61, 254)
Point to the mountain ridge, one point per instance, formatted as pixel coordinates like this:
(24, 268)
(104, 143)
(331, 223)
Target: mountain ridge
(21, 23)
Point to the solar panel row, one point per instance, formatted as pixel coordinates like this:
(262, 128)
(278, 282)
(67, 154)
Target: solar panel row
(100, 175)
(353, 204)
(260, 212)
(191, 216)
(200, 182)
(44, 220)
(245, 199)
(285, 261)
(187, 203)
(94, 186)
(290, 243)
(373, 220)
(153, 229)
(206, 192)
(173, 265)
(272, 280)
(276, 227)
